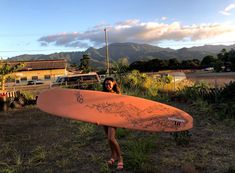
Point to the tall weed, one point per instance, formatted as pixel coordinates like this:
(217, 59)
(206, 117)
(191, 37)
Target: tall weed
(137, 154)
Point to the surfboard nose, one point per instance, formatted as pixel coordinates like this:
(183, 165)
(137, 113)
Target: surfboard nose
(189, 122)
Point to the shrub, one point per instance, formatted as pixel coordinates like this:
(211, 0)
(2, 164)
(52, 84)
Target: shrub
(228, 93)
(167, 79)
(220, 101)
(140, 84)
(27, 96)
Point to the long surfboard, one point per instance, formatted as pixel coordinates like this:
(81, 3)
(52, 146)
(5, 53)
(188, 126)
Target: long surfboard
(114, 110)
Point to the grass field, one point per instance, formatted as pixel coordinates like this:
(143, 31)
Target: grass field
(34, 141)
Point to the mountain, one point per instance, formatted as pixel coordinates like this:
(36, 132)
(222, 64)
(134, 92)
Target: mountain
(132, 51)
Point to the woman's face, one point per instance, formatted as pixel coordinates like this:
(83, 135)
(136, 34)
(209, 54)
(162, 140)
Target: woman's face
(109, 85)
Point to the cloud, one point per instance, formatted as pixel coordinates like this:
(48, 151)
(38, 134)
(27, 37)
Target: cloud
(59, 39)
(138, 32)
(227, 9)
(164, 18)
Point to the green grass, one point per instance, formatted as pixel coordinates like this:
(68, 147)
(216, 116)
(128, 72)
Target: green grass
(137, 151)
(32, 141)
(38, 156)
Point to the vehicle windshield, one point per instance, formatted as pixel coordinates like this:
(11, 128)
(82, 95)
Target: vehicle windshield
(58, 79)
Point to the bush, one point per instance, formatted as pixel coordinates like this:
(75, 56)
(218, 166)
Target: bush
(167, 79)
(220, 100)
(228, 93)
(194, 92)
(27, 96)
(140, 84)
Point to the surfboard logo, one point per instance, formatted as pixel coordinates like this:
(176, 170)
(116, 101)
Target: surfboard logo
(79, 97)
(176, 120)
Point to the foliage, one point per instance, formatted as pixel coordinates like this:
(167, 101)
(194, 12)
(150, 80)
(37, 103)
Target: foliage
(208, 61)
(140, 83)
(7, 69)
(218, 101)
(224, 110)
(120, 68)
(173, 63)
(155, 65)
(137, 154)
(228, 93)
(121, 133)
(225, 102)
(166, 79)
(218, 65)
(194, 92)
(85, 64)
(28, 96)
(224, 58)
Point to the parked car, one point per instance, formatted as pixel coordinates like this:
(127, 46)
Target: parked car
(209, 69)
(34, 82)
(77, 80)
(102, 77)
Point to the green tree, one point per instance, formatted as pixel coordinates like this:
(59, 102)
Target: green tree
(187, 64)
(85, 64)
(156, 65)
(208, 61)
(223, 55)
(231, 56)
(174, 63)
(139, 65)
(218, 65)
(6, 69)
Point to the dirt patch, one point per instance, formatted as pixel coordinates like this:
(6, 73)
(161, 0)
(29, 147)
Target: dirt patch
(213, 79)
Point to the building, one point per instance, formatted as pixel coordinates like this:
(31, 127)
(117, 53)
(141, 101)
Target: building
(45, 70)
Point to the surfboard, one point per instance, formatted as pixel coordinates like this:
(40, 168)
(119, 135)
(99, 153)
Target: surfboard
(114, 110)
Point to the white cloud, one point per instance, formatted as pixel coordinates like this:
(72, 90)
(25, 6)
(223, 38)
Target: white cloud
(164, 18)
(227, 9)
(139, 32)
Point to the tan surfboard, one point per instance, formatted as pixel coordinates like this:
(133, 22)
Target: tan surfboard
(114, 110)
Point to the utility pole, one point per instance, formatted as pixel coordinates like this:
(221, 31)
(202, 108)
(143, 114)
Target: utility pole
(107, 50)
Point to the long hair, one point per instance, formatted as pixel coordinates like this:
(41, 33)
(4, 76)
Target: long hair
(116, 89)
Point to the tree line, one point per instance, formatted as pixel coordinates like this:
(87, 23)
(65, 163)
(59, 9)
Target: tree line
(223, 61)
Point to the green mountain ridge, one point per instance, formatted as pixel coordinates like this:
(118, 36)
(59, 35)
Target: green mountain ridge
(133, 51)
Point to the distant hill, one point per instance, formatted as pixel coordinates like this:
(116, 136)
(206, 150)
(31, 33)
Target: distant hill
(132, 51)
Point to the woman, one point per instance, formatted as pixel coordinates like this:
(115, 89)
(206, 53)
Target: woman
(110, 85)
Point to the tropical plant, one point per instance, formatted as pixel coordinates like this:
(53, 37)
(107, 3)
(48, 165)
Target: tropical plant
(194, 92)
(140, 83)
(120, 68)
(6, 69)
(85, 63)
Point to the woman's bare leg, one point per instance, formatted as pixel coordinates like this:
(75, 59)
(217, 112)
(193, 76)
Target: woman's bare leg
(112, 147)
(114, 143)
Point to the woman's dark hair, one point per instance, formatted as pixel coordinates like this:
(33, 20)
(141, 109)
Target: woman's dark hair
(115, 85)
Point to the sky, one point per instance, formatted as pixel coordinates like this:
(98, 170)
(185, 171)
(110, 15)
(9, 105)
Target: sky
(49, 26)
